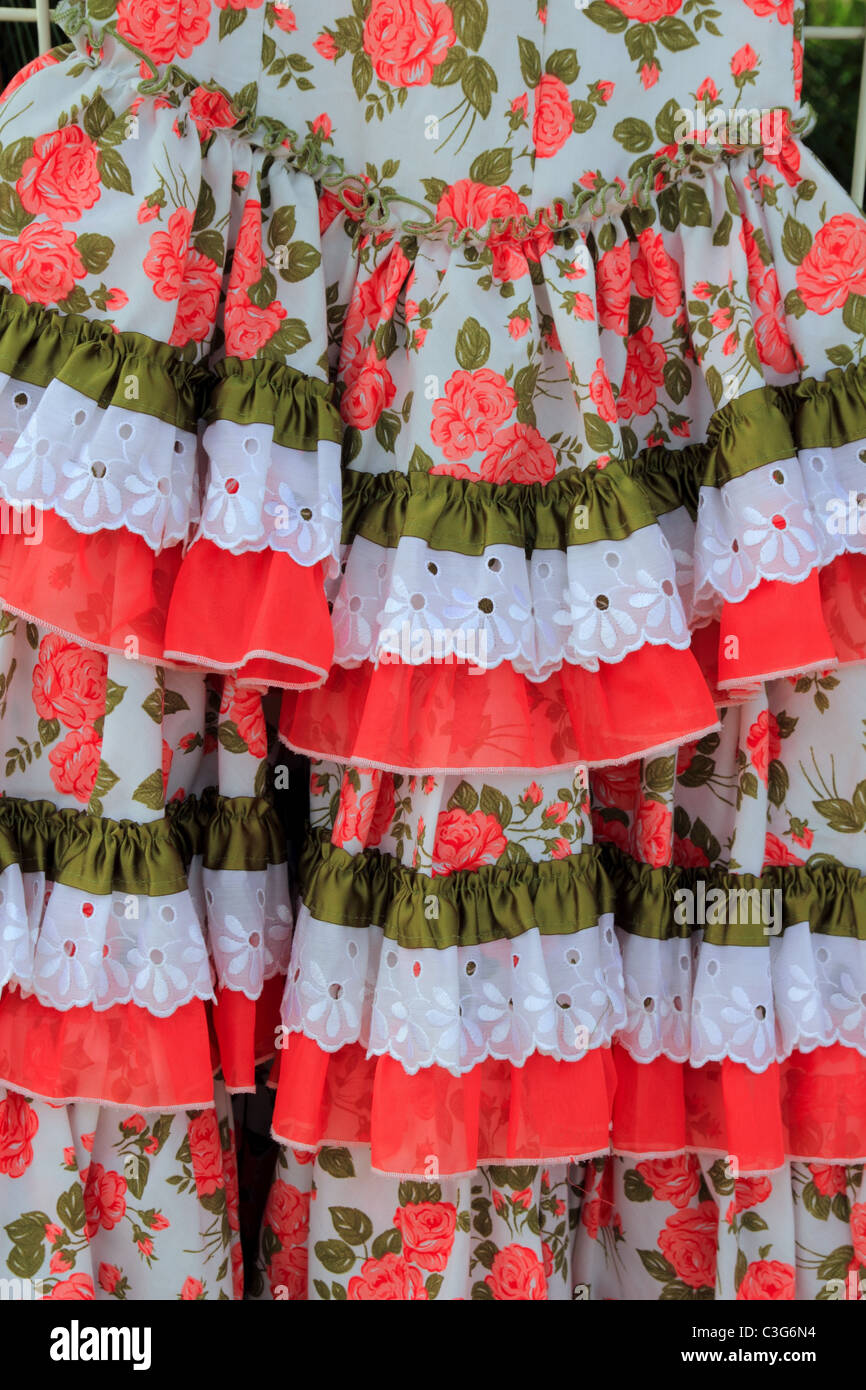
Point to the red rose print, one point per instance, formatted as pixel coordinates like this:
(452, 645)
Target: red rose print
(383, 811)
(618, 786)
(60, 179)
(109, 1276)
(285, 19)
(389, 1278)
(829, 1178)
(75, 763)
(777, 852)
(428, 1230)
(782, 9)
(43, 264)
(656, 275)
(770, 1279)
(104, 1200)
(45, 60)
(646, 11)
(610, 831)
(210, 111)
(325, 47)
(518, 454)
(351, 816)
(407, 39)
(554, 119)
(164, 29)
(375, 299)
(475, 205)
(613, 284)
(69, 682)
(18, 1124)
(517, 1274)
(206, 1153)
(835, 265)
(466, 841)
(687, 855)
(166, 259)
(248, 327)
(771, 330)
(764, 743)
(287, 1273)
(787, 157)
(744, 60)
(244, 705)
(198, 300)
(858, 1231)
(643, 375)
(674, 1180)
(689, 1242)
(288, 1213)
(475, 404)
(248, 259)
(192, 1289)
(749, 1192)
(652, 830)
(601, 393)
(370, 392)
(78, 1286)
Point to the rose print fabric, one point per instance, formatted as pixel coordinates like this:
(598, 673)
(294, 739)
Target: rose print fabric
(614, 1228)
(99, 1204)
(478, 411)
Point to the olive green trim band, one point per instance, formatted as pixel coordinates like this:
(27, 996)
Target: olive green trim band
(300, 408)
(765, 426)
(487, 904)
(129, 370)
(102, 856)
(134, 372)
(564, 896)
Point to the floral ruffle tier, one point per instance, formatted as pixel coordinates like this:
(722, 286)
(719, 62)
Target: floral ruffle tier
(523, 466)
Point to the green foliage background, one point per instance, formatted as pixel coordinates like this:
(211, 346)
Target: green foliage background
(831, 80)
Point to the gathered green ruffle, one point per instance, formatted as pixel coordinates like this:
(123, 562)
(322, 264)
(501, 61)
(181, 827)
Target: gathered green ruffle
(129, 370)
(102, 856)
(134, 372)
(565, 896)
(300, 408)
(771, 424)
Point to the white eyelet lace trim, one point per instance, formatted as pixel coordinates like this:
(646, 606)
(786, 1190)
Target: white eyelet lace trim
(100, 469)
(107, 468)
(262, 495)
(453, 1008)
(778, 522)
(73, 949)
(561, 995)
(591, 603)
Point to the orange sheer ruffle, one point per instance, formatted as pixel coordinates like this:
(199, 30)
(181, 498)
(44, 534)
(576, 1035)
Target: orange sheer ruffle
(424, 718)
(119, 1056)
(246, 1031)
(811, 1106)
(259, 614)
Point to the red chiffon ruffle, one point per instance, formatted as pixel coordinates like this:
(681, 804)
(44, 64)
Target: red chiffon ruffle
(259, 614)
(245, 1031)
(444, 717)
(119, 1056)
(813, 1106)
